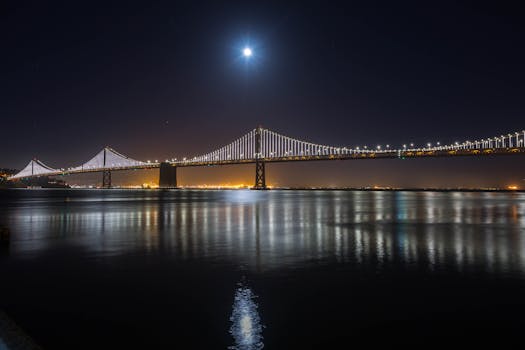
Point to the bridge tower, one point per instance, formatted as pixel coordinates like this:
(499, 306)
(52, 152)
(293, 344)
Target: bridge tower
(260, 173)
(106, 173)
(167, 175)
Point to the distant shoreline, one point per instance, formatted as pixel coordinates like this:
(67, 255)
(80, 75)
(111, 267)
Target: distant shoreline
(356, 189)
(405, 189)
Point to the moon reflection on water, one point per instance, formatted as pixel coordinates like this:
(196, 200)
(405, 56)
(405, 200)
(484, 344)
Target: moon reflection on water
(246, 327)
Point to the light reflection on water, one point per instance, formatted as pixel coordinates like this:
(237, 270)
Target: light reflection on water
(246, 328)
(268, 230)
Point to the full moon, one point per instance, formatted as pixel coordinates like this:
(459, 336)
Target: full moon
(247, 52)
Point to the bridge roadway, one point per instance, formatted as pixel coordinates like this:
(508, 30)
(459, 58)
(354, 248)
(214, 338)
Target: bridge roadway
(408, 154)
(266, 146)
(363, 155)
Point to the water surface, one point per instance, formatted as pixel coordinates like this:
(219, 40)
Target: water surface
(275, 269)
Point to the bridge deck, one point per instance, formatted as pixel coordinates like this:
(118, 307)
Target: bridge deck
(366, 155)
(408, 154)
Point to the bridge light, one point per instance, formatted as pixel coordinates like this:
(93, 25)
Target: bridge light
(411, 145)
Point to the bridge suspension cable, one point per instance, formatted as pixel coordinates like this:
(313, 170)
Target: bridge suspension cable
(35, 168)
(273, 145)
(108, 158)
(241, 149)
(262, 144)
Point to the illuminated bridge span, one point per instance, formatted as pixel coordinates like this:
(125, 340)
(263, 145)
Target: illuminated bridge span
(261, 146)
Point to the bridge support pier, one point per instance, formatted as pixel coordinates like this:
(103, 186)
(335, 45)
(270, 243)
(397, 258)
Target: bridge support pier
(260, 176)
(167, 175)
(106, 179)
(260, 173)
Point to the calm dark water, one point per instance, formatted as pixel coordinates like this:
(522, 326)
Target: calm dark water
(280, 269)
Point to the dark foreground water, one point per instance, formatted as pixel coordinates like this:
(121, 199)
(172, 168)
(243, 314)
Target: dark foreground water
(280, 269)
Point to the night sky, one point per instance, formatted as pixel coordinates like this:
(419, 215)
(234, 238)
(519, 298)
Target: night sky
(158, 80)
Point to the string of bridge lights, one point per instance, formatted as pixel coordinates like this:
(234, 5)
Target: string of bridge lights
(275, 145)
(271, 145)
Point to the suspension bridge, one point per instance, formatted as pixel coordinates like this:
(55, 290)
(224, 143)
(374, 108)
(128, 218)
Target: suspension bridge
(260, 146)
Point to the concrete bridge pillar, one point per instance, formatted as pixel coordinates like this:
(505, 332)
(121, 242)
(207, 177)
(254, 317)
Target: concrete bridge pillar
(167, 175)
